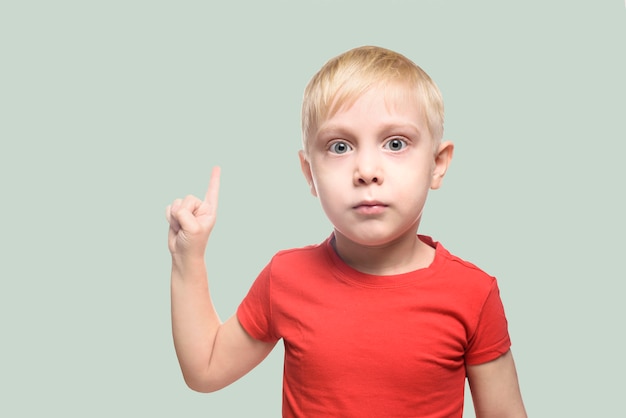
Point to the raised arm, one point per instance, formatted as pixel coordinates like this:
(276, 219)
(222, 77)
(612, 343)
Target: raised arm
(495, 389)
(211, 354)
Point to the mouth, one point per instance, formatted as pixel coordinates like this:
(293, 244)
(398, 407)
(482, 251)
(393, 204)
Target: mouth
(370, 207)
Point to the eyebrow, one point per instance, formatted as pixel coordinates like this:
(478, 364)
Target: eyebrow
(386, 129)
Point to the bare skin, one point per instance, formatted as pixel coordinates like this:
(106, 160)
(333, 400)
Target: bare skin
(372, 176)
(211, 354)
(495, 389)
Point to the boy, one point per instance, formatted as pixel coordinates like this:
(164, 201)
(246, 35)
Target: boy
(377, 321)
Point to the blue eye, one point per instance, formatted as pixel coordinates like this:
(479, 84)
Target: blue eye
(396, 144)
(339, 147)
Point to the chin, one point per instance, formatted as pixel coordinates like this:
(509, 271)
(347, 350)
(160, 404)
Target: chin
(376, 240)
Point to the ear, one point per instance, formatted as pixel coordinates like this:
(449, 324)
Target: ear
(306, 170)
(443, 156)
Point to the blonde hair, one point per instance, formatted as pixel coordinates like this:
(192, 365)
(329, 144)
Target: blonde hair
(343, 79)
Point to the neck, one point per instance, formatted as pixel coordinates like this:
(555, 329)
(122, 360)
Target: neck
(405, 254)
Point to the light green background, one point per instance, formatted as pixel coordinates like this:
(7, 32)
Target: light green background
(110, 110)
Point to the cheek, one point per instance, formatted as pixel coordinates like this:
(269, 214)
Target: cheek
(330, 194)
(326, 181)
(324, 191)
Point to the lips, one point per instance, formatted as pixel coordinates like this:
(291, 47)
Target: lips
(370, 207)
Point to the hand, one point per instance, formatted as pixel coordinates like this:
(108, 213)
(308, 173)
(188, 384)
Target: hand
(191, 220)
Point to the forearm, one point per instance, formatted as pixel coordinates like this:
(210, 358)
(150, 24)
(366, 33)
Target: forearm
(194, 320)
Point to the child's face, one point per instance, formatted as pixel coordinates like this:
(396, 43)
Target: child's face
(372, 164)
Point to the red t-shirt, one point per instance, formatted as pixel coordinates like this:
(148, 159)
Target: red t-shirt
(360, 345)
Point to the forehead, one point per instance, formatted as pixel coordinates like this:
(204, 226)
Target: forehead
(385, 104)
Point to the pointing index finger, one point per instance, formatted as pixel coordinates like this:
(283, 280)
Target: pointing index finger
(214, 187)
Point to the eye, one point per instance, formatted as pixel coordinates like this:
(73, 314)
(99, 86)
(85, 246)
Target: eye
(339, 147)
(396, 144)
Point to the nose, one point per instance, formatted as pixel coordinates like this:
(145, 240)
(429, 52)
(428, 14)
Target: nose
(368, 169)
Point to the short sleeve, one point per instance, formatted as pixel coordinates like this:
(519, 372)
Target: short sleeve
(255, 312)
(491, 337)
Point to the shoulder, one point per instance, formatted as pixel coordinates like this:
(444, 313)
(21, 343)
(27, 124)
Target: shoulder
(307, 257)
(458, 271)
(457, 263)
